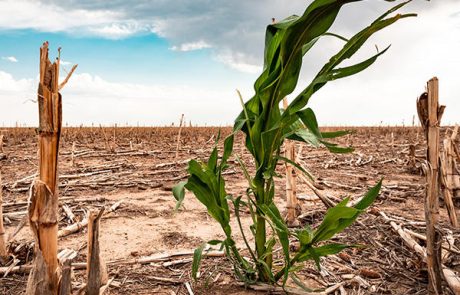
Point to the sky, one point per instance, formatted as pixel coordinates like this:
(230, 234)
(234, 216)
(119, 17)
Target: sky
(147, 62)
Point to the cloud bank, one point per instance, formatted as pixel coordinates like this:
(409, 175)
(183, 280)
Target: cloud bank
(91, 99)
(234, 28)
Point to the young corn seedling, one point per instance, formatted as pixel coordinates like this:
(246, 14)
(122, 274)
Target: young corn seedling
(265, 126)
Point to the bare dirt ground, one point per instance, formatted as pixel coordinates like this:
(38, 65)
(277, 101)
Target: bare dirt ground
(138, 167)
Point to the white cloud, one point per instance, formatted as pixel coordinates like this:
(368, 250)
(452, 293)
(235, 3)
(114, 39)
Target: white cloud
(21, 14)
(234, 28)
(91, 99)
(189, 25)
(10, 85)
(120, 30)
(15, 95)
(10, 58)
(238, 62)
(191, 46)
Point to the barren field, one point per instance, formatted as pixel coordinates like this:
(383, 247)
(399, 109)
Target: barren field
(138, 167)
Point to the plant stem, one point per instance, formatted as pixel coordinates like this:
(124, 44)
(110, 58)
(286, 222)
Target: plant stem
(261, 231)
(232, 249)
(260, 245)
(261, 236)
(293, 260)
(237, 214)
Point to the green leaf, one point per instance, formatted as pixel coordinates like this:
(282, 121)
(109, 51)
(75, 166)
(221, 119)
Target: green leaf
(215, 242)
(308, 174)
(197, 255)
(340, 217)
(343, 203)
(336, 134)
(329, 71)
(179, 193)
(208, 186)
(228, 148)
(212, 162)
(369, 197)
(330, 249)
(299, 283)
(305, 135)
(334, 148)
(236, 203)
(269, 245)
(282, 232)
(245, 171)
(268, 271)
(337, 36)
(309, 119)
(305, 235)
(314, 253)
(336, 220)
(315, 256)
(393, 9)
(354, 69)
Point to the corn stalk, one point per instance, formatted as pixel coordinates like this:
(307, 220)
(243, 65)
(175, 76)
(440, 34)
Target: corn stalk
(3, 251)
(43, 201)
(266, 126)
(291, 185)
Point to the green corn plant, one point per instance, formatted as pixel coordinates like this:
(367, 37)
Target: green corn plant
(266, 126)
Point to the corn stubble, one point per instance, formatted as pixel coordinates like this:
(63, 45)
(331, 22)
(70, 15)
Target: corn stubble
(266, 126)
(3, 250)
(43, 200)
(43, 207)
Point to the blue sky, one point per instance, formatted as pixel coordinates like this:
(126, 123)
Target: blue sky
(147, 62)
(137, 59)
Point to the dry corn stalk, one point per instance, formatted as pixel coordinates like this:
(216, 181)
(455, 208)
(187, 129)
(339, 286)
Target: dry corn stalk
(291, 188)
(412, 158)
(96, 269)
(73, 158)
(178, 135)
(430, 114)
(65, 258)
(451, 157)
(3, 252)
(43, 203)
(448, 178)
(1, 143)
(108, 147)
(115, 135)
